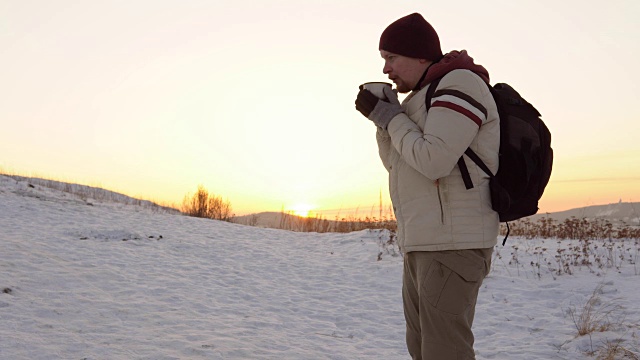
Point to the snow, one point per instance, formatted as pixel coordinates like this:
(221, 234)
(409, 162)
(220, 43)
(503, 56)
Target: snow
(89, 279)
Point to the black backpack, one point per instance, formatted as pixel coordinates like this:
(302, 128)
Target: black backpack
(525, 156)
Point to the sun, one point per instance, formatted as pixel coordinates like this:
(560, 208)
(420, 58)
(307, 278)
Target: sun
(301, 210)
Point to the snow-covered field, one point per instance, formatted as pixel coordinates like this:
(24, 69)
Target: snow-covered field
(83, 279)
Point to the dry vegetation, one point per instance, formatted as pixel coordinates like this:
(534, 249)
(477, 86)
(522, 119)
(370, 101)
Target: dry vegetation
(613, 350)
(597, 316)
(544, 228)
(344, 224)
(573, 228)
(568, 256)
(205, 205)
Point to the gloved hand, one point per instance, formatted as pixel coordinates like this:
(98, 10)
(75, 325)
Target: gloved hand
(377, 110)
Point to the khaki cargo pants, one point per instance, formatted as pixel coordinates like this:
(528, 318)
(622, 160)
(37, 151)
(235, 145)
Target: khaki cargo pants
(439, 292)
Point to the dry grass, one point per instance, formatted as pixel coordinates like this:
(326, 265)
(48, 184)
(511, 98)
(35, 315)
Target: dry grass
(614, 350)
(566, 257)
(544, 228)
(573, 228)
(600, 246)
(595, 316)
(318, 223)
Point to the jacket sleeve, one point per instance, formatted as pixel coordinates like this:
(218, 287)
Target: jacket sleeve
(451, 124)
(384, 146)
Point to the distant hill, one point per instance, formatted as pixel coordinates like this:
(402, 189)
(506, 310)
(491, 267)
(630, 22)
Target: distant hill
(617, 213)
(88, 194)
(263, 219)
(279, 220)
(318, 223)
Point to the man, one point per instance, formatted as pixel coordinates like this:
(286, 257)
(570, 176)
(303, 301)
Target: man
(446, 232)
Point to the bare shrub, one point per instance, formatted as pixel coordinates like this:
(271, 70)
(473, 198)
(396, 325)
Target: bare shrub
(205, 205)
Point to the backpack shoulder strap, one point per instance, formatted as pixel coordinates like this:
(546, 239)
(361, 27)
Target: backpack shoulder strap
(463, 167)
(476, 159)
(432, 89)
(466, 177)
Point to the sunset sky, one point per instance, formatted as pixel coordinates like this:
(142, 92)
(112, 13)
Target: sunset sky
(255, 99)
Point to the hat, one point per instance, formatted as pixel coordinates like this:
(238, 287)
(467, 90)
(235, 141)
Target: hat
(412, 36)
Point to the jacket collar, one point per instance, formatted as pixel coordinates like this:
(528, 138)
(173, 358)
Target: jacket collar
(452, 61)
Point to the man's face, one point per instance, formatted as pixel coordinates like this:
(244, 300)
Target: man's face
(404, 71)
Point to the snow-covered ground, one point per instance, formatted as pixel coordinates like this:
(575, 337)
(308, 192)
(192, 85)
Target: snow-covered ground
(84, 279)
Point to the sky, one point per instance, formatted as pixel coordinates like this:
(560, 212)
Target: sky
(254, 100)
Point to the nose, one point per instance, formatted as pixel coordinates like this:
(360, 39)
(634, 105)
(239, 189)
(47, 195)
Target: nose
(386, 68)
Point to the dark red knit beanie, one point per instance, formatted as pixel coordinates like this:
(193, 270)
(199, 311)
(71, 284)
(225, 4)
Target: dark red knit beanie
(412, 36)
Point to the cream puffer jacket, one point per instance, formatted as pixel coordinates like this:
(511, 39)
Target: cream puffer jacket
(433, 208)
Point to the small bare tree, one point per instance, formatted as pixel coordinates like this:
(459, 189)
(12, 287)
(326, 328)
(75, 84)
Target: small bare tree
(219, 209)
(205, 205)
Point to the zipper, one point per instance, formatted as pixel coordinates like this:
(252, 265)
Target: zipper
(440, 202)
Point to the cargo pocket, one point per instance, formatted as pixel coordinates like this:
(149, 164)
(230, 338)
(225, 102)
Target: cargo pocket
(452, 282)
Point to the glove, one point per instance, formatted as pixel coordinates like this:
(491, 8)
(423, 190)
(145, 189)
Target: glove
(377, 110)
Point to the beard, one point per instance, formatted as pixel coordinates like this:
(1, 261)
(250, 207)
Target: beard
(402, 88)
